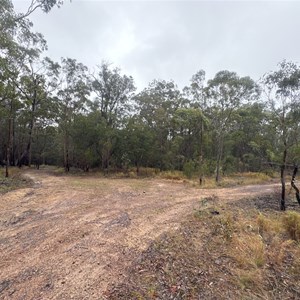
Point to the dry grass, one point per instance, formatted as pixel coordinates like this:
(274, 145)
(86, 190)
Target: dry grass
(237, 253)
(247, 178)
(291, 223)
(248, 251)
(14, 181)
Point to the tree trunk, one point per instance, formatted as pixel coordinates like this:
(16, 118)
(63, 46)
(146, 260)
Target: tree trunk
(293, 184)
(9, 140)
(282, 176)
(66, 152)
(219, 157)
(201, 179)
(33, 108)
(13, 159)
(27, 152)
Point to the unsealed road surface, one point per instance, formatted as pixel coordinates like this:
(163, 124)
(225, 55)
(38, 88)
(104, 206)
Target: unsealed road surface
(69, 237)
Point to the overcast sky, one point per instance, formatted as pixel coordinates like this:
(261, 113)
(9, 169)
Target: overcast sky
(173, 40)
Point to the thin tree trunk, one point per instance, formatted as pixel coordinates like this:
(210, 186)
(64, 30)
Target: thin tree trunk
(9, 140)
(8, 146)
(293, 184)
(66, 152)
(219, 157)
(201, 179)
(27, 152)
(33, 108)
(13, 159)
(282, 176)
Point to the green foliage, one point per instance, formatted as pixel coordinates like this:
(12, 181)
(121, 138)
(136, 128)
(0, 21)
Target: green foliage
(59, 113)
(189, 169)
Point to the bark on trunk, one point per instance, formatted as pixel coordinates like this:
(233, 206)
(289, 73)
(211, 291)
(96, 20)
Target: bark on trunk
(27, 152)
(66, 153)
(294, 185)
(8, 146)
(282, 177)
(219, 157)
(201, 177)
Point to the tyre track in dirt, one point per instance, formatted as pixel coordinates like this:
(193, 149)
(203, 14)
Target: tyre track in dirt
(69, 237)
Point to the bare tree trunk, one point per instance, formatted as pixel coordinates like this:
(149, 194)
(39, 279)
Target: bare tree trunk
(13, 159)
(9, 141)
(66, 152)
(27, 152)
(293, 184)
(33, 108)
(282, 176)
(201, 177)
(219, 158)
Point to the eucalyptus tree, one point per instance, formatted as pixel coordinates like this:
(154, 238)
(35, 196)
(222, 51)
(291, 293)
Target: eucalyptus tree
(44, 5)
(156, 106)
(86, 131)
(113, 93)
(282, 90)
(187, 126)
(18, 47)
(225, 93)
(139, 140)
(72, 97)
(197, 97)
(10, 20)
(36, 85)
(195, 92)
(249, 140)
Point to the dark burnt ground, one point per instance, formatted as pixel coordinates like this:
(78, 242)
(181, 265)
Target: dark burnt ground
(268, 203)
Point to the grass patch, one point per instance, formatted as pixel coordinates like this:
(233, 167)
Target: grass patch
(14, 181)
(235, 179)
(208, 182)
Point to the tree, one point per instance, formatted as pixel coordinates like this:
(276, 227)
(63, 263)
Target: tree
(113, 92)
(86, 130)
(138, 143)
(18, 46)
(156, 105)
(196, 93)
(38, 81)
(72, 97)
(188, 125)
(282, 90)
(225, 92)
(249, 139)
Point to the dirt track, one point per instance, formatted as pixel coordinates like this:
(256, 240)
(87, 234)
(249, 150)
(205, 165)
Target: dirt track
(69, 237)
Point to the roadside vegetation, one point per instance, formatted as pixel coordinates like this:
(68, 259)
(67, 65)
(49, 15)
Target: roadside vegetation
(241, 250)
(15, 181)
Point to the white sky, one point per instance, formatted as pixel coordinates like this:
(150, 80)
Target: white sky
(173, 39)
